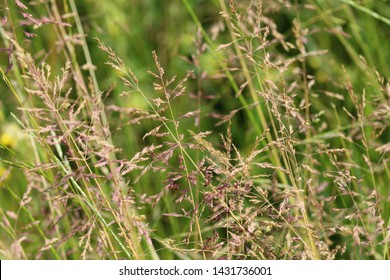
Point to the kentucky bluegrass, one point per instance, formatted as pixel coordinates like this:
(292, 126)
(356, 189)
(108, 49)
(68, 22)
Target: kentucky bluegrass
(194, 129)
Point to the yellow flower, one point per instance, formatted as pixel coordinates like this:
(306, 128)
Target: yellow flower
(7, 140)
(10, 135)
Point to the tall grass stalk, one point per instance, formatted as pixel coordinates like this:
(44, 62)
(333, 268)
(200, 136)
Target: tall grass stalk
(262, 135)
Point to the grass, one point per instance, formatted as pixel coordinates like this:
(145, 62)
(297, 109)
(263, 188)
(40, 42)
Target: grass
(251, 130)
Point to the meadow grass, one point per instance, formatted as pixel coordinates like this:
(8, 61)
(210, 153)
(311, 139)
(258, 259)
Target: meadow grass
(194, 129)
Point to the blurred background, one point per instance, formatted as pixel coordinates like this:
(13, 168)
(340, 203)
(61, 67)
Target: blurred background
(353, 34)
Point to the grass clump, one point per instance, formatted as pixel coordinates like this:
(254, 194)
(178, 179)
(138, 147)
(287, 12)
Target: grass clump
(259, 131)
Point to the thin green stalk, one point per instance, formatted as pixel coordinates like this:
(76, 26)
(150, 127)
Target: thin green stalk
(32, 220)
(367, 11)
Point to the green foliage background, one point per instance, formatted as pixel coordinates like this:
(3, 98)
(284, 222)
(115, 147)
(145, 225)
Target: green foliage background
(354, 34)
